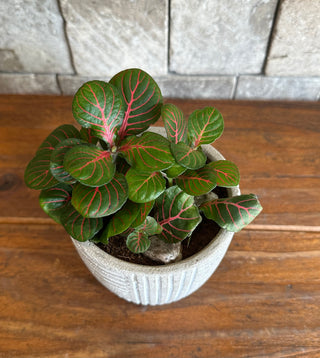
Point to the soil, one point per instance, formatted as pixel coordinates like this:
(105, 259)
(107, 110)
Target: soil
(201, 237)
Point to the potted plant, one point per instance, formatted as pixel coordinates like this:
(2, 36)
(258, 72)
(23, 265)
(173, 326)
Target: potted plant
(118, 178)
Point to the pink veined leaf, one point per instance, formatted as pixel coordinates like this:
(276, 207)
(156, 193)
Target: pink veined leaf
(138, 241)
(61, 133)
(175, 171)
(197, 182)
(121, 220)
(174, 123)
(87, 135)
(205, 126)
(144, 211)
(144, 187)
(185, 156)
(142, 98)
(149, 152)
(57, 158)
(150, 226)
(54, 200)
(232, 214)
(89, 165)
(94, 202)
(176, 213)
(98, 105)
(227, 173)
(80, 228)
(37, 174)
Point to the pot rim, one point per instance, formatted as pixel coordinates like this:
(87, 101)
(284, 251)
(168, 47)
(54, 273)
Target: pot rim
(204, 254)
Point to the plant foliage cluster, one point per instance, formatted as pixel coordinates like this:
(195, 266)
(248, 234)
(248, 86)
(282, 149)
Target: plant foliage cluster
(114, 177)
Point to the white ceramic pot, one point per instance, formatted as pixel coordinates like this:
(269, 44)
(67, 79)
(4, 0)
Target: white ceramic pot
(158, 285)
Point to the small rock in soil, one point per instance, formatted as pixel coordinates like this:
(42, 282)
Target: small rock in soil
(163, 252)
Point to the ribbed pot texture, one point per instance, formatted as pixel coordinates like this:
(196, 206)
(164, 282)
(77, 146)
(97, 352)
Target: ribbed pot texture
(158, 285)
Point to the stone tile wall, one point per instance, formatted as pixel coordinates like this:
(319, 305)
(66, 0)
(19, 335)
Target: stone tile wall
(246, 49)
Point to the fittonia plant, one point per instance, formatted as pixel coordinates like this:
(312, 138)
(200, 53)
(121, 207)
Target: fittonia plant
(113, 177)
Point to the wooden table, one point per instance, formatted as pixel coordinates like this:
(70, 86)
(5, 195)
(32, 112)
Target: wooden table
(264, 299)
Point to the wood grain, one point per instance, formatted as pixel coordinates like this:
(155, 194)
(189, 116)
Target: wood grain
(263, 300)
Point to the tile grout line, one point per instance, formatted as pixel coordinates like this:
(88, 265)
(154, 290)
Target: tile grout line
(271, 35)
(235, 87)
(58, 84)
(67, 39)
(168, 36)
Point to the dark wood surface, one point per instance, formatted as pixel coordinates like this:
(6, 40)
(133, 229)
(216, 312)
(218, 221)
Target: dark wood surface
(263, 300)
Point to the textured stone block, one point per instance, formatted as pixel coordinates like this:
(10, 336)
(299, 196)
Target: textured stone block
(171, 86)
(108, 36)
(219, 37)
(28, 84)
(287, 88)
(32, 37)
(295, 48)
(219, 87)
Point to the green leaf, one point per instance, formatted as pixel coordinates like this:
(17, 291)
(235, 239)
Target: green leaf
(174, 123)
(175, 171)
(197, 182)
(57, 157)
(177, 214)
(100, 201)
(89, 165)
(142, 98)
(145, 209)
(150, 226)
(144, 187)
(227, 173)
(87, 135)
(138, 242)
(121, 220)
(204, 126)
(98, 105)
(54, 200)
(188, 157)
(61, 133)
(232, 214)
(37, 174)
(149, 152)
(80, 228)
